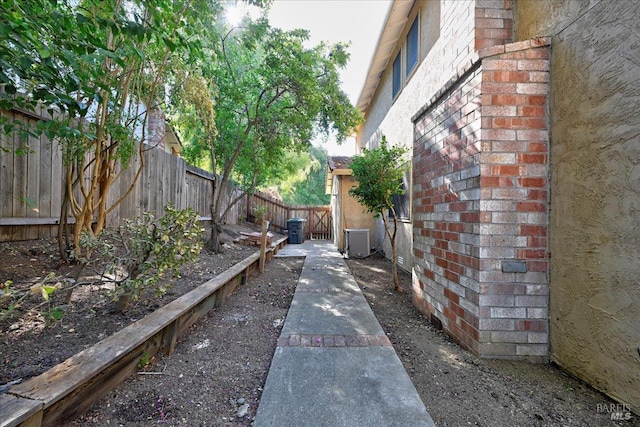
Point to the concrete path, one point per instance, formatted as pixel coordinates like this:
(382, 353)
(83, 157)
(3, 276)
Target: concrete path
(334, 366)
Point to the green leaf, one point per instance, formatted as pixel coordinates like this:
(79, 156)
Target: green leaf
(44, 53)
(56, 313)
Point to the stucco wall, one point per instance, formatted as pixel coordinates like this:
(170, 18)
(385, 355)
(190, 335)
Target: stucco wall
(595, 210)
(444, 45)
(348, 213)
(535, 18)
(446, 41)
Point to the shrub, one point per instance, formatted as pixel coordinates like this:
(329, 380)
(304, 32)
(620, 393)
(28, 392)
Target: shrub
(150, 250)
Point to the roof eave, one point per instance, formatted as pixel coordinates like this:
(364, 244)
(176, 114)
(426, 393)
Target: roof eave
(394, 24)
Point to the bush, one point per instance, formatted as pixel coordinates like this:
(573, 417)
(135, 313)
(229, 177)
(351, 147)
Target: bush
(151, 249)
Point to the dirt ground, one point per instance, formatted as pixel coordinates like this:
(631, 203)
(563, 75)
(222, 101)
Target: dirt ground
(460, 389)
(216, 375)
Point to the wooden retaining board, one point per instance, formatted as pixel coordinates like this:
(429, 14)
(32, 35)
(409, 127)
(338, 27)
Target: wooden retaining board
(20, 411)
(71, 387)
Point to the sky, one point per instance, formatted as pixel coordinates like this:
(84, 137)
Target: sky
(355, 21)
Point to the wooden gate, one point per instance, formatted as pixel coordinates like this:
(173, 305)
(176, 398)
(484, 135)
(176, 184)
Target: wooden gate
(318, 219)
(320, 226)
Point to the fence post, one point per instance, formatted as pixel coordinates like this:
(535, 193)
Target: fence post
(263, 244)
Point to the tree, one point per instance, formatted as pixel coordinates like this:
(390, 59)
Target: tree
(306, 184)
(379, 175)
(99, 68)
(272, 95)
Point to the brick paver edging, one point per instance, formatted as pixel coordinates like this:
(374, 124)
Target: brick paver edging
(333, 341)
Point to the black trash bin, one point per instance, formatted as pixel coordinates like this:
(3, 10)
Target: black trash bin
(295, 226)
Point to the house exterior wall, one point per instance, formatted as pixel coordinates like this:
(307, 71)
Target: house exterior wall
(595, 208)
(446, 41)
(347, 212)
(504, 122)
(481, 204)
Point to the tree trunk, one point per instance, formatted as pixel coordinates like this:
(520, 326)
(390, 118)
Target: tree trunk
(394, 249)
(214, 244)
(394, 268)
(63, 241)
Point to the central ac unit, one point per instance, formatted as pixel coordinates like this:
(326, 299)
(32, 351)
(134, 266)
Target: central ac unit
(357, 242)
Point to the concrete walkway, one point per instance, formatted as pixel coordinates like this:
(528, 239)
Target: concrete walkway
(334, 366)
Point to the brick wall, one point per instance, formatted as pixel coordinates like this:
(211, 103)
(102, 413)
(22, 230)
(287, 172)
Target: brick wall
(481, 203)
(493, 23)
(446, 209)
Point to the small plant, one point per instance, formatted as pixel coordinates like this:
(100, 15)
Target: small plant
(11, 300)
(5, 288)
(45, 288)
(6, 293)
(259, 214)
(144, 360)
(152, 248)
(55, 314)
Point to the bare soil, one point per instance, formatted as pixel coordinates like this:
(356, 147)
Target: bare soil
(460, 389)
(216, 375)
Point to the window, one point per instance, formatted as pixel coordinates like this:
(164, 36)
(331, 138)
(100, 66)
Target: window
(397, 75)
(402, 202)
(412, 47)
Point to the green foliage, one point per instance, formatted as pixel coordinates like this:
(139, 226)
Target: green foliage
(71, 56)
(272, 95)
(5, 287)
(379, 175)
(47, 286)
(98, 68)
(7, 306)
(305, 183)
(153, 248)
(11, 300)
(145, 358)
(55, 314)
(258, 213)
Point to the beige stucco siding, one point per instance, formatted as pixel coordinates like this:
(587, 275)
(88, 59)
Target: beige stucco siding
(535, 18)
(595, 187)
(347, 212)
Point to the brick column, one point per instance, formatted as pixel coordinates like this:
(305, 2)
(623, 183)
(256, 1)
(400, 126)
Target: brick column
(481, 190)
(493, 23)
(515, 200)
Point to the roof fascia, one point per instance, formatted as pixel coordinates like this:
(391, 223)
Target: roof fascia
(397, 17)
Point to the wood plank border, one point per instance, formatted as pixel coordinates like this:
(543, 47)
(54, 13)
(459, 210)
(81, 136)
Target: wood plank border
(71, 387)
(34, 221)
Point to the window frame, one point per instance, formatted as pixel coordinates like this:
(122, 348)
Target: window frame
(396, 77)
(412, 43)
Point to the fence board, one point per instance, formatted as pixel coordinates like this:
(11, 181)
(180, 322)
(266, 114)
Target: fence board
(19, 179)
(45, 186)
(32, 200)
(317, 225)
(165, 178)
(6, 173)
(57, 181)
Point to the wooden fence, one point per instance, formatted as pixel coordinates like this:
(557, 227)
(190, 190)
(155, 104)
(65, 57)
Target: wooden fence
(31, 191)
(317, 224)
